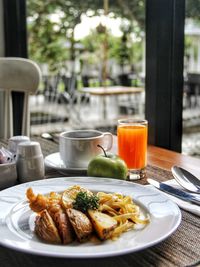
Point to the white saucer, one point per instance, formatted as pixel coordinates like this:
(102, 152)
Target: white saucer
(54, 161)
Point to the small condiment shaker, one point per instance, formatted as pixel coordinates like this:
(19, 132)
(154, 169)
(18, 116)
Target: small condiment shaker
(30, 162)
(14, 141)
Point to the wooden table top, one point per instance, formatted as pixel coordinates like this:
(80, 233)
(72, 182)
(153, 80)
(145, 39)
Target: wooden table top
(176, 250)
(111, 90)
(165, 159)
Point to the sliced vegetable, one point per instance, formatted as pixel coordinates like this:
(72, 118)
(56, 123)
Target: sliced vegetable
(45, 228)
(81, 224)
(69, 195)
(103, 223)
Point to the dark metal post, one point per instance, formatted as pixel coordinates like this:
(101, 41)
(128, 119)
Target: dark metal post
(164, 71)
(15, 46)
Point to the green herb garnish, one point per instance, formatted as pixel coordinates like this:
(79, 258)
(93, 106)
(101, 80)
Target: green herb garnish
(83, 202)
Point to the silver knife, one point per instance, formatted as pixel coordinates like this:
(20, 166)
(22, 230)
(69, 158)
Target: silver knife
(175, 192)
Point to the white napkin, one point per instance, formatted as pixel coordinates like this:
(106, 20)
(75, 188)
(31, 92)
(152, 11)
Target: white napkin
(193, 208)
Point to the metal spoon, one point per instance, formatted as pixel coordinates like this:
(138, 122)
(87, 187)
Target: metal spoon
(186, 179)
(50, 137)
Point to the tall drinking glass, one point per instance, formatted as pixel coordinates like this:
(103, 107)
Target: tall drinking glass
(132, 145)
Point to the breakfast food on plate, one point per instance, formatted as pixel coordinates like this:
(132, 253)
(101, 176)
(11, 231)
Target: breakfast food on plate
(77, 213)
(81, 224)
(103, 223)
(46, 229)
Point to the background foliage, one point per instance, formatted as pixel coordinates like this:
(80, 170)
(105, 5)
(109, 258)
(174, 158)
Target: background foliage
(48, 37)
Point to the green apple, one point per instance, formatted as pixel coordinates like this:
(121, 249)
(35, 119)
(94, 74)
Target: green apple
(107, 165)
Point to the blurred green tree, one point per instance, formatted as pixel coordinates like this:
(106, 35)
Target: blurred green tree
(192, 10)
(51, 24)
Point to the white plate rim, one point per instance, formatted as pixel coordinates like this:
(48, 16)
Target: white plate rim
(89, 180)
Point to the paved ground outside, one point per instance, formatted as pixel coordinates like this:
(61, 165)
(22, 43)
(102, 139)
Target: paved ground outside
(57, 116)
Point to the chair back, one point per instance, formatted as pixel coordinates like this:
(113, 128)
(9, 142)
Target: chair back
(19, 75)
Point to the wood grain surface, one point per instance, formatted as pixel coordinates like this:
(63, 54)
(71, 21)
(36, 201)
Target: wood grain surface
(182, 248)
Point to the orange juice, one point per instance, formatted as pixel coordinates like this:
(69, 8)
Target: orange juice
(132, 144)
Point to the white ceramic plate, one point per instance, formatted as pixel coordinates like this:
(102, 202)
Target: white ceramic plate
(17, 220)
(54, 161)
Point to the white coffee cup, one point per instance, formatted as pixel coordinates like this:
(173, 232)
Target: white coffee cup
(30, 162)
(78, 147)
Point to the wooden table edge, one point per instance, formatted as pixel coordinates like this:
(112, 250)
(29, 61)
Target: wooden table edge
(165, 159)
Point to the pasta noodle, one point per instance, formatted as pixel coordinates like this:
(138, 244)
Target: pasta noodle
(123, 210)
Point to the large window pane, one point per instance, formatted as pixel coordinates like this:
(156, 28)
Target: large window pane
(90, 44)
(191, 99)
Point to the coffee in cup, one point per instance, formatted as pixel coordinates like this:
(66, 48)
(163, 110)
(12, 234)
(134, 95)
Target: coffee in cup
(78, 147)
